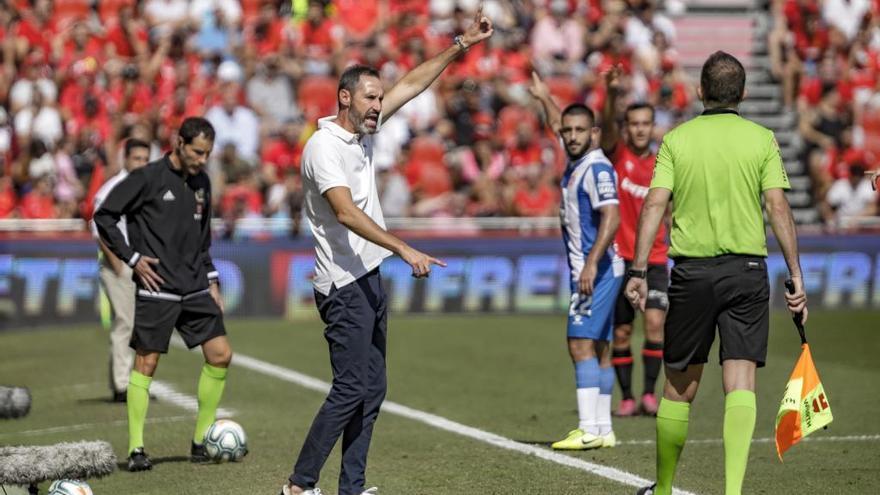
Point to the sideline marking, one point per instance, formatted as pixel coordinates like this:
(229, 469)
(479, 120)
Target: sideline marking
(442, 423)
(713, 441)
(166, 393)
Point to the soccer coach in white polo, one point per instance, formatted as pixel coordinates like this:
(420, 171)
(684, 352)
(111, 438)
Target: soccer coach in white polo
(350, 243)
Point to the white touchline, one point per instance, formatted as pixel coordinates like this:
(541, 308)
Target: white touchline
(442, 423)
(166, 393)
(89, 426)
(839, 438)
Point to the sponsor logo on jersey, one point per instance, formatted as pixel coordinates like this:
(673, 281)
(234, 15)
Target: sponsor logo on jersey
(605, 184)
(633, 188)
(168, 196)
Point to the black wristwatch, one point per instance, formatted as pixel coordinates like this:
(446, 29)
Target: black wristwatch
(637, 273)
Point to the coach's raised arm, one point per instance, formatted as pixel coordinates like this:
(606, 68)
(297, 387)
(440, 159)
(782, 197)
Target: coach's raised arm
(418, 79)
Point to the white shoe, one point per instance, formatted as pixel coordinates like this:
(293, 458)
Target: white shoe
(314, 491)
(371, 491)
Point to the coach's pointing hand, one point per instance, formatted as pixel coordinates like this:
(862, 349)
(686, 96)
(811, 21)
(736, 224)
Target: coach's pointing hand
(420, 262)
(151, 280)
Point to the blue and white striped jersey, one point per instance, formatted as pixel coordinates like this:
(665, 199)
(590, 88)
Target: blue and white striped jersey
(588, 184)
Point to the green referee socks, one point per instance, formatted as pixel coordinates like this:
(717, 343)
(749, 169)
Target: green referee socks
(211, 384)
(739, 425)
(672, 431)
(137, 399)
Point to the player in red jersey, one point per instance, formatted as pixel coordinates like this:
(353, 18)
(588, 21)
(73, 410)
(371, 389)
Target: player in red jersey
(633, 160)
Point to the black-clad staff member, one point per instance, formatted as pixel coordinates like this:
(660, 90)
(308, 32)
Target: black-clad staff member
(167, 205)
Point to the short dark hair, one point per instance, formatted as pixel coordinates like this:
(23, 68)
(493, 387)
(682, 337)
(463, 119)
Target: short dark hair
(351, 77)
(723, 80)
(641, 105)
(132, 143)
(579, 109)
(194, 127)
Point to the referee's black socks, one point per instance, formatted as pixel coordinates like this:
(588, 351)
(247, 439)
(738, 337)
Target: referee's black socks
(623, 366)
(652, 357)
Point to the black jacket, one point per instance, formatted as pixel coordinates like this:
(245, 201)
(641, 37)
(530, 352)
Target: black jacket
(168, 215)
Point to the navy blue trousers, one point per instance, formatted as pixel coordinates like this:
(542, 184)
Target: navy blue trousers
(356, 316)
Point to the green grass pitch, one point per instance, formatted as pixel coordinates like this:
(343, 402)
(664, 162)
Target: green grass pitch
(508, 375)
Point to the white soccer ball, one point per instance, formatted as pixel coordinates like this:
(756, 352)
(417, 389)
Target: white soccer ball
(70, 487)
(226, 441)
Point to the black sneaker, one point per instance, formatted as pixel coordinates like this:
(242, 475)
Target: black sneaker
(648, 490)
(197, 453)
(120, 397)
(139, 461)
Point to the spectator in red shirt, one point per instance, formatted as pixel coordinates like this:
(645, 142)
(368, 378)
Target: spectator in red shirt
(264, 35)
(537, 198)
(77, 43)
(127, 35)
(283, 153)
(35, 30)
(39, 203)
(524, 150)
(242, 199)
(318, 38)
(128, 94)
(8, 198)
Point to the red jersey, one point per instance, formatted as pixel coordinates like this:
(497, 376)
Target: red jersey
(634, 175)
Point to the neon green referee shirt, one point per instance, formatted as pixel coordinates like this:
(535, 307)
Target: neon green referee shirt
(717, 165)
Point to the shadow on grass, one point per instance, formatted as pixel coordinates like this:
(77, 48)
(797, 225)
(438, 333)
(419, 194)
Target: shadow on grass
(108, 400)
(542, 443)
(123, 466)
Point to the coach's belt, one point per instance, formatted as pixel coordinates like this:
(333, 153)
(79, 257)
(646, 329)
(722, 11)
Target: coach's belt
(167, 296)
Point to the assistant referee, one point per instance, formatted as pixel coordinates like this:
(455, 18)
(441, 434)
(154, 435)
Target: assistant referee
(716, 167)
(167, 206)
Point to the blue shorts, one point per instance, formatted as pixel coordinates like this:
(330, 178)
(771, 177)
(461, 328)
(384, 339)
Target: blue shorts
(592, 317)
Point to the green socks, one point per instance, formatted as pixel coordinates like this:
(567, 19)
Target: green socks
(211, 384)
(672, 430)
(739, 425)
(137, 398)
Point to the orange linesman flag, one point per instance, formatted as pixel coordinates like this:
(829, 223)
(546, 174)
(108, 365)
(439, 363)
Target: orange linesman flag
(804, 407)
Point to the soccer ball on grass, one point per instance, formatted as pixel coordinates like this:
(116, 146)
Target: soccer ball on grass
(226, 441)
(70, 487)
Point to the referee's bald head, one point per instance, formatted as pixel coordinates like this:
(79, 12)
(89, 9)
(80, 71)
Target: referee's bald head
(722, 81)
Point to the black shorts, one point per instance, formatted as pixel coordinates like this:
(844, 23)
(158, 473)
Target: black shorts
(730, 292)
(658, 284)
(197, 318)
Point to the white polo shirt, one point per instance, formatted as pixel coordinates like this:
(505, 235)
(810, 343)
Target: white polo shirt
(334, 157)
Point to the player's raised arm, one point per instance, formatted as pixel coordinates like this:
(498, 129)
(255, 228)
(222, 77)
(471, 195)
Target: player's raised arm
(610, 129)
(541, 92)
(418, 79)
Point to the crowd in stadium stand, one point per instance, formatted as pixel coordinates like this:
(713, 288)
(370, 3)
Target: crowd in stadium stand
(78, 77)
(827, 55)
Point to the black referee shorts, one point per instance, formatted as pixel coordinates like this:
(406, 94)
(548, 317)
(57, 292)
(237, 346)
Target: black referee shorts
(658, 285)
(731, 292)
(197, 318)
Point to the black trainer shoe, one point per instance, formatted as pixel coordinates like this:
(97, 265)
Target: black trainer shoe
(197, 453)
(139, 461)
(120, 397)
